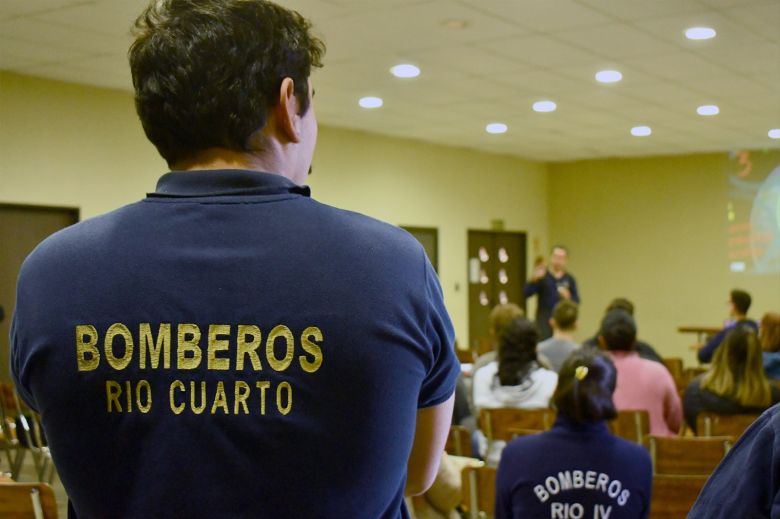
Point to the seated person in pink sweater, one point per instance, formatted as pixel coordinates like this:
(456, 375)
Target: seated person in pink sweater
(641, 383)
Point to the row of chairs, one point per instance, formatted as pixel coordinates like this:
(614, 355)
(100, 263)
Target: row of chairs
(20, 433)
(673, 495)
(27, 501)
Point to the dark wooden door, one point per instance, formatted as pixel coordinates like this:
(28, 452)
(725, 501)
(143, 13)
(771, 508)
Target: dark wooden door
(496, 275)
(22, 227)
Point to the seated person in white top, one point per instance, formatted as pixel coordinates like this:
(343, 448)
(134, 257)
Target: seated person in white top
(563, 322)
(515, 380)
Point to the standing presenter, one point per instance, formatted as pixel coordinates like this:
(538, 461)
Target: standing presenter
(551, 283)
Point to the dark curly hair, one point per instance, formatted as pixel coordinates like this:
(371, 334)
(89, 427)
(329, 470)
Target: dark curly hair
(517, 351)
(206, 72)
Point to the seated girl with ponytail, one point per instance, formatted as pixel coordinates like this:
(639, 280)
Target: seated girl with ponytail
(576, 469)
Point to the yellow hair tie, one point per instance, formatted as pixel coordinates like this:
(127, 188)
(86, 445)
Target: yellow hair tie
(581, 372)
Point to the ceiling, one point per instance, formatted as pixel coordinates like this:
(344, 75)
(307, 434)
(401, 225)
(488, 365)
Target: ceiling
(510, 54)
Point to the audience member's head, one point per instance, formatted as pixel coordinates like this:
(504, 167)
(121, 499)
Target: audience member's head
(737, 370)
(501, 316)
(621, 303)
(558, 256)
(618, 331)
(740, 302)
(769, 333)
(564, 316)
(517, 351)
(585, 385)
(207, 73)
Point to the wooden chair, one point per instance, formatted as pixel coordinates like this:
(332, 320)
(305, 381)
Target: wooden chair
(631, 424)
(674, 365)
(465, 356)
(673, 496)
(29, 434)
(478, 494)
(27, 501)
(687, 456)
(498, 423)
(714, 424)
(459, 442)
(9, 443)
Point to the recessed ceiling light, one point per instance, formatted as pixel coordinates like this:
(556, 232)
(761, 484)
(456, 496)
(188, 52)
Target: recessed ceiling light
(370, 102)
(700, 33)
(405, 70)
(774, 133)
(455, 24)
(641, 131)
(608, 76)
(496, 128)
(708, 110)
(544, 106)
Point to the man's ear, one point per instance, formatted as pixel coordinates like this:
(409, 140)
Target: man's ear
(287, 110)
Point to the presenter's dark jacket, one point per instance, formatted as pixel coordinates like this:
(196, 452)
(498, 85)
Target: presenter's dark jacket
(546, 289)
(746, 484)
(229, 347)
(573, 470)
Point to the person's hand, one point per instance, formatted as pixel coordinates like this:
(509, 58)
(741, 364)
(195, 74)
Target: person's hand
(564, 292)
(539, 272)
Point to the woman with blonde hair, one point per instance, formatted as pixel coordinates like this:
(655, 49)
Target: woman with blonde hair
(735, 383)
(769, 337)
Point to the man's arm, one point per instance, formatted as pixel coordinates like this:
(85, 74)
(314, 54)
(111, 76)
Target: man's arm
(575, 294)
(430, 435)
(706, 352)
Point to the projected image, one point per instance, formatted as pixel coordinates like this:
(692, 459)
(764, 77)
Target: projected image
(753, 213)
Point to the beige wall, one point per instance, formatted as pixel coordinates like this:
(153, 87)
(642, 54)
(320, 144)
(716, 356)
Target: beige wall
(653, 230)
(72, 145)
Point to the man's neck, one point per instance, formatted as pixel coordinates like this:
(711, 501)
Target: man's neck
(221, 158)
(563, 335)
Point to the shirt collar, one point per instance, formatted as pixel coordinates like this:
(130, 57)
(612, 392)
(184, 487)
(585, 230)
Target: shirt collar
(224, 182)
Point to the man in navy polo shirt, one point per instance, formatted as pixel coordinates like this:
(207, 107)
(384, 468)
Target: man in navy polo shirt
(551, 284)
(229, 347)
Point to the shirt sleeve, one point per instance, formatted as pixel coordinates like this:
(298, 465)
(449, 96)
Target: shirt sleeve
(531, 288)
(706, 353)
(575, 293)
(746, 483)
(439, 383)
(672, 404)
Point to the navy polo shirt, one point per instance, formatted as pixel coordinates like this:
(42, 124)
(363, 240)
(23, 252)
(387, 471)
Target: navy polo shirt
(547, 290)
(573, 470)
(229, 347)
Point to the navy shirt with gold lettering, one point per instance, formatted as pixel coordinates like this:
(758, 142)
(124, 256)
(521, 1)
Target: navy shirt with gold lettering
(230, 347)
(573, 470)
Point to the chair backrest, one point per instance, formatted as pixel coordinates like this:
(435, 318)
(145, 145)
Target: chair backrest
(459, 441)
(674, 496)
(631, 424)
(497, 424)
(466, 356)
(27, 501)
(478, 491)
(674, 365)
(714, 424)
(687, 456)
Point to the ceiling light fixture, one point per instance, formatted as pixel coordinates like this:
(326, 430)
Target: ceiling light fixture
(700, 33)
(370, 102)
(608, 76)
(405, 70)
(774, 133)
(544, 106)
(496, 128)
(641, 131)
(707, 110)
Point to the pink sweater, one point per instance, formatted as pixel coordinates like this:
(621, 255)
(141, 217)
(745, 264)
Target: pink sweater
(645, 384)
